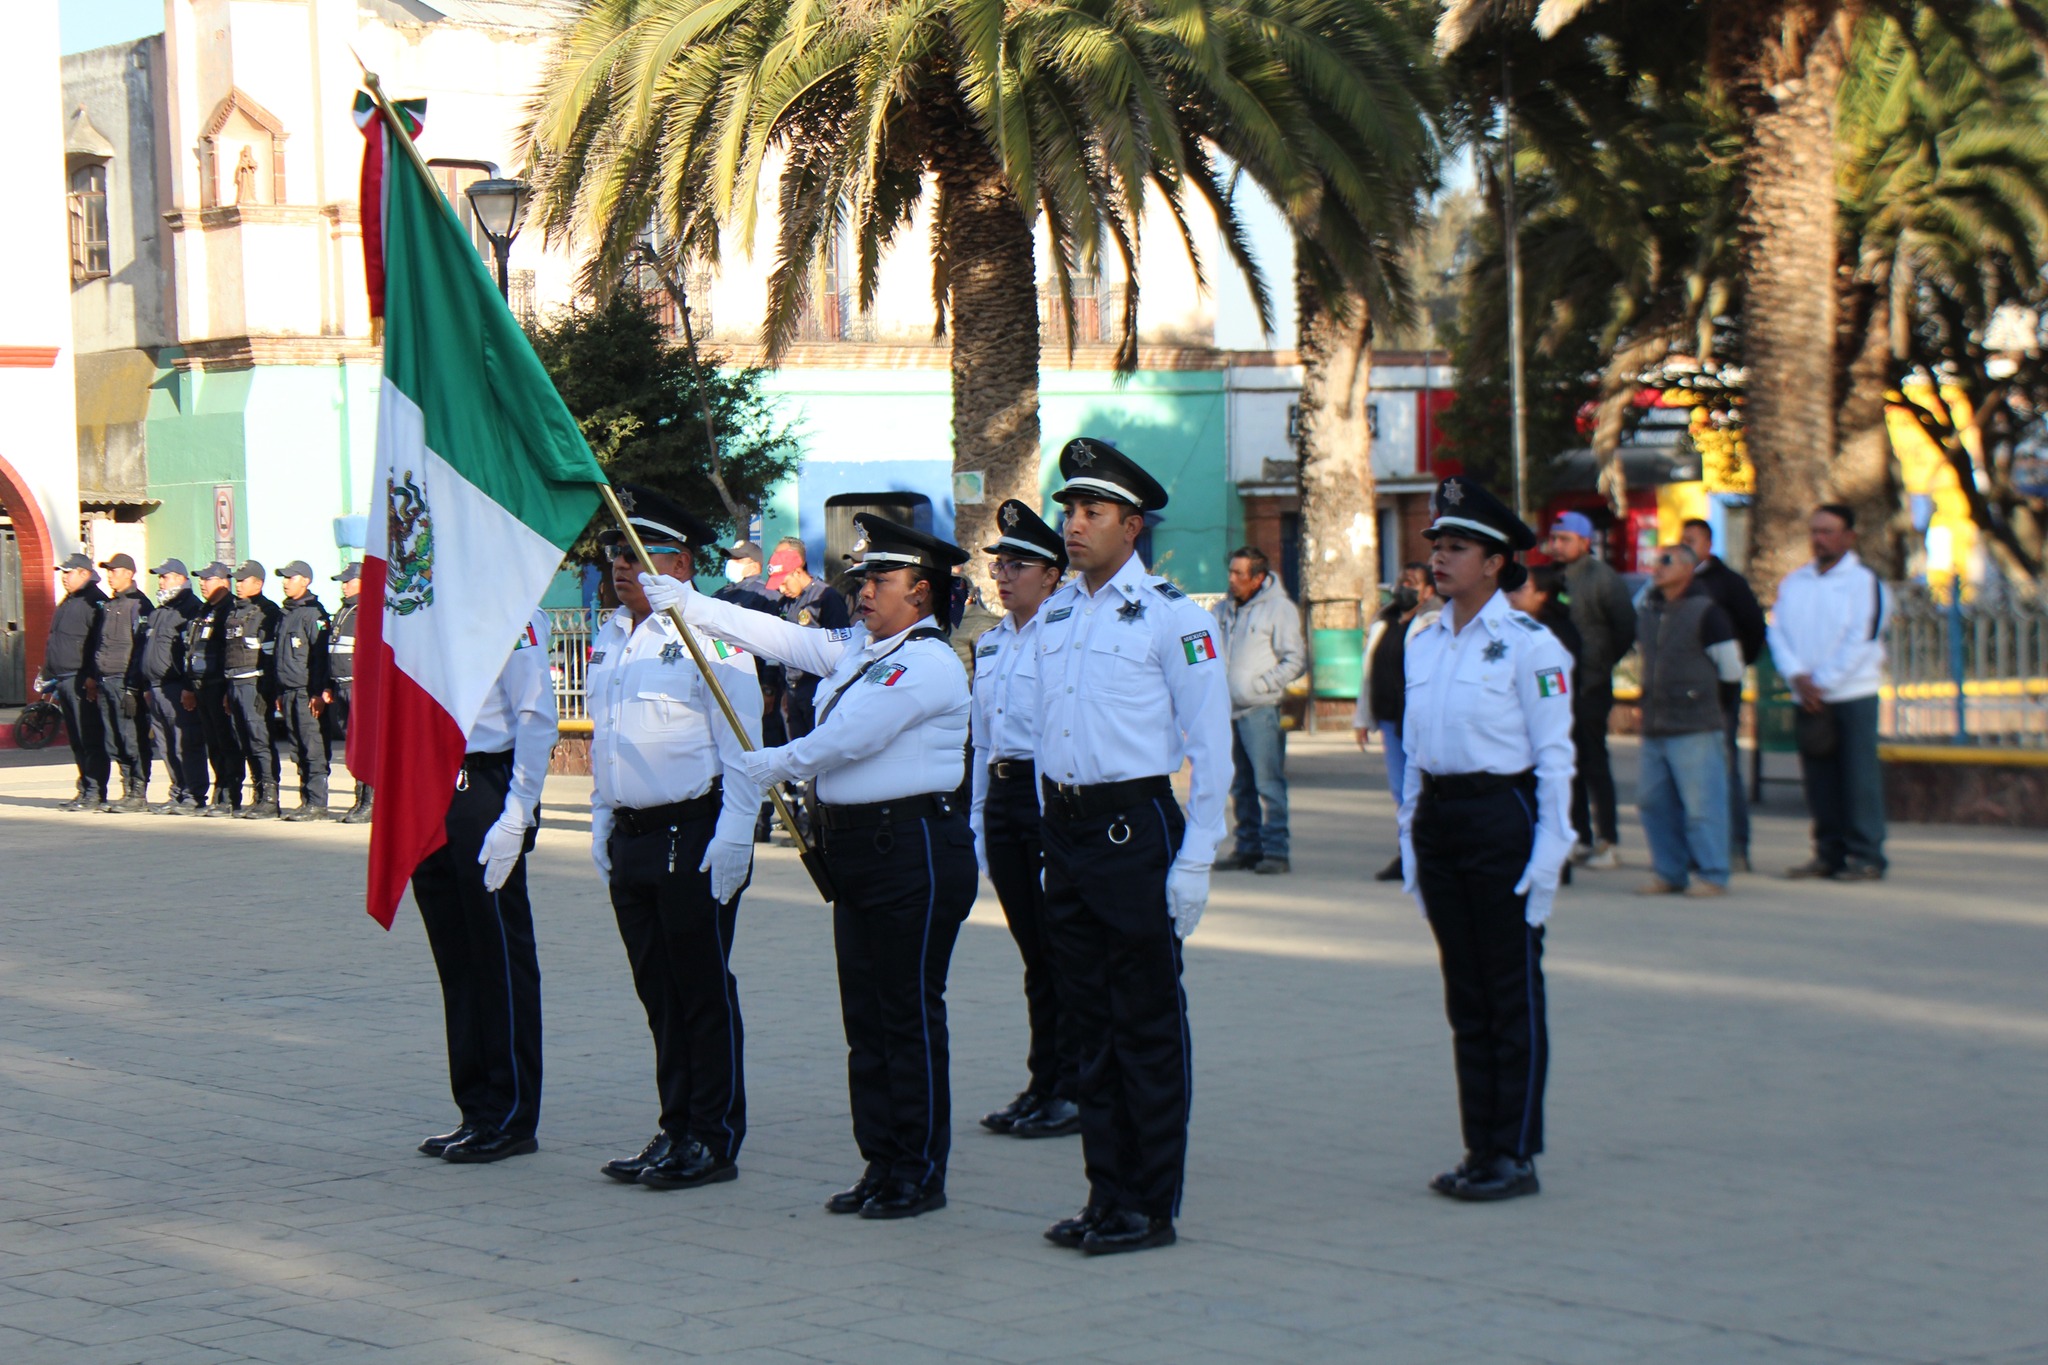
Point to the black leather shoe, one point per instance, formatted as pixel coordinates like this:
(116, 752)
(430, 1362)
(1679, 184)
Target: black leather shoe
(487, 1145)
(1501, 1177)
(1235, 862)
(628, 1168)
(1853, 871)
(850, 1200)
(1472, 1164)
(1272, 867)
(434, 1146)
(1055, 1118)
(689, 1163)
(1069, 1232)
(1005, 1118)
(1126, 1231)
(903, 1199)
(1391, 872)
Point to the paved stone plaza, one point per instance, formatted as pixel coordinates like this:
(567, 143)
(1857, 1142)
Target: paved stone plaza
(1798, 1125)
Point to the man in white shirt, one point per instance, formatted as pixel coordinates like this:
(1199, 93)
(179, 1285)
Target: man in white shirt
(672, 833)
(1029, 559)
(1827, 640)
(472, 897)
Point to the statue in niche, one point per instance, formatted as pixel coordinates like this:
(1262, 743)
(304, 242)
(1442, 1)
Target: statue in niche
(245, 177)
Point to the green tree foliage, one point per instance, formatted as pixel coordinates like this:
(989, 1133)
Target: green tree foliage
(639, 402)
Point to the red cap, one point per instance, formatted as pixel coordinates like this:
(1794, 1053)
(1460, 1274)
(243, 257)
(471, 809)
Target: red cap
(781, 564)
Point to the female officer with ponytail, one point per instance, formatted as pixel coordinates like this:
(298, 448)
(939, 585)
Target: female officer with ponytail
(1485, 827)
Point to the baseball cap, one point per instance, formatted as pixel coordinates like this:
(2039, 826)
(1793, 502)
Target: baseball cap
(214, 570)
(298, 568)
(782, 564)
(77, 561)
(176, 566)
(249, 569)
(1574, 523)
(352, 572)
(119, 562)
(746, 549)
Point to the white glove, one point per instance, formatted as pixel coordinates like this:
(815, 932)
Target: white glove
(981, 852)
(1540, 877)
(1411, 881)
(503, 847)
(1187, 893)
(663, 592)
(601, 821)
(728, 864)
(759, 768)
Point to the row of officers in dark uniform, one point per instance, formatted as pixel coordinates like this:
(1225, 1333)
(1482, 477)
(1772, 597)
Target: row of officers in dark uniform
(216, 684)
(1050, 770)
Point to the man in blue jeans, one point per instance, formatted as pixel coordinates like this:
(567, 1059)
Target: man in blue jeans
(1263, 651)
(1689, 651)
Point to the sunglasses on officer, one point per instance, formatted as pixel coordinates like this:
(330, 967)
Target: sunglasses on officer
(622, 554)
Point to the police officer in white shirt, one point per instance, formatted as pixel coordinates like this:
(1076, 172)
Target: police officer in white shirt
(1029, 559)
(1486, 827)
(472, 897)
(887, 751)
(672, 833)
(1129, 685)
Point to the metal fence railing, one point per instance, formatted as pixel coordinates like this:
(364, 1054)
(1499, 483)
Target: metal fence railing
(1971, 672)
(569, 656)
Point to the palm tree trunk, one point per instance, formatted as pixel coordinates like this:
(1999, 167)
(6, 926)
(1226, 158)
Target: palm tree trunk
(1339, 531)
(1786, 58)
(1865, 475)
(993, 290)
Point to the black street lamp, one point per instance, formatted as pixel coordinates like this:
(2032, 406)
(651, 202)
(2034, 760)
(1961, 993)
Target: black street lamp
(500, 207)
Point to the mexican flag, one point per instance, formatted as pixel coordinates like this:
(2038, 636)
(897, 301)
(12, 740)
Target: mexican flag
(483, 483)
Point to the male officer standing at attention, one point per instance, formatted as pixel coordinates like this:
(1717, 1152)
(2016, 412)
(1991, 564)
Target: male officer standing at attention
(301, 685)
(1029, 559)
(179, 739)
(206, 690)
(1485, 827)
(341, 677)
(250, 628)
(116, 683)
(67, 670)
(472, 897)
(1129, 684)
(672, 833)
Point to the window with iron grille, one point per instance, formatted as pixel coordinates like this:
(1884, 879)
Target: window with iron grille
(91, 256)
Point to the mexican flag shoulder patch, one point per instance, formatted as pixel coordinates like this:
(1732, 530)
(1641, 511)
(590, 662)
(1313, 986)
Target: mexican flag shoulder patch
(1550, 682)
(1198, 646)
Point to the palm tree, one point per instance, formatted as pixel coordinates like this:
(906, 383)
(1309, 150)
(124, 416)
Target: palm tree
(1078, 113)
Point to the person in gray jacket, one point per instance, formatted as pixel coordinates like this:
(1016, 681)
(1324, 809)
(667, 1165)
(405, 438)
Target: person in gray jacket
(1263, 652)
(1606, 622)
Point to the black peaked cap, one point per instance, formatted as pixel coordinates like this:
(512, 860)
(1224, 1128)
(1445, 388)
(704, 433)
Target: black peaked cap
(1097, 469)
(662, 520)
(882, 544)
(1462, 505)
(1024, 532)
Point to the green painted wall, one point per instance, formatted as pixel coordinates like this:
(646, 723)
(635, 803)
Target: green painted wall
(196, 441)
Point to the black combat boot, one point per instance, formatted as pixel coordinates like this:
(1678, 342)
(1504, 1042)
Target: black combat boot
(359, 814)
(89, 797)
(132, 799)
(264, 807)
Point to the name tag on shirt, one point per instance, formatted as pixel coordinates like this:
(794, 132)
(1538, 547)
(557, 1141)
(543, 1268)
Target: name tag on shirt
(1062, 614)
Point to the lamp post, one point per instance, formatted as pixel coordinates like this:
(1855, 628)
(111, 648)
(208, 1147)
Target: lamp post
(500, 207)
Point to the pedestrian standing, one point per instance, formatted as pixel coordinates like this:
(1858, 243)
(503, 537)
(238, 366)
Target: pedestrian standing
(116, 683)
(176, 735)
(1732, 593)
(341, 677)
(1606, 620)
(67, 674)
(472, 897)
(1827, 639)
(1130, 685)
(250, 631)
(1689, 654)
(1263, 651)
(672, 834)
(1029, 559)
(301, 653)
(1382, 688)
(747, 587)
(1484, 828)
(207, 690)
(887, 754)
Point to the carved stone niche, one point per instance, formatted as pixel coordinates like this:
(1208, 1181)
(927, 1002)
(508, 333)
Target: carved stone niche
(241, 154)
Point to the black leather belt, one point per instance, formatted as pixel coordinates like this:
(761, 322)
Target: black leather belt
(637, 821)
(930, 806)
(485, 763)
(1103, 798)
(1464, 786)
(1012, 770)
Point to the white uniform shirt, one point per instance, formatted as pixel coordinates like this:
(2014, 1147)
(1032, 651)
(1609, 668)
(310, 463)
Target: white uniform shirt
(519, 714)
(1129, 684)
(899, 728)
(1493, 698)
(1830, 626)
(656, 734)
(1005, 700)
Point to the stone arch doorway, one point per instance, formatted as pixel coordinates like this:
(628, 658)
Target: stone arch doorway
(38, 563)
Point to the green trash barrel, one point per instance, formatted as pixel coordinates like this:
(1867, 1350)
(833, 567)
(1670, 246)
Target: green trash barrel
(1774, 709)
(1336, 662)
